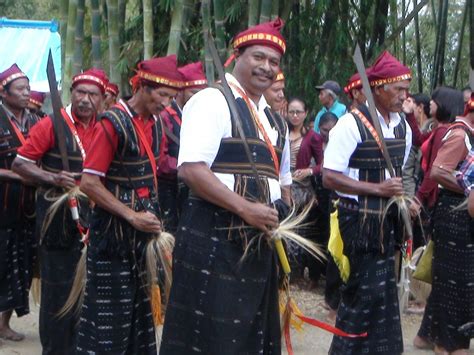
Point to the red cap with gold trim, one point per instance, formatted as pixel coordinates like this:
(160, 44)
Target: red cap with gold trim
(265, 34)
(470, 104)
(161, 71)
(11, 74)
(91, 76)
(387, 69)
(112, 88)
(280, 76)
(193, 76)
(37, 98)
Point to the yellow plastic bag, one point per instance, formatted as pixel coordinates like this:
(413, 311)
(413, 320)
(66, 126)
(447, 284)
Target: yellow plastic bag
(336, 247)
(423, 271)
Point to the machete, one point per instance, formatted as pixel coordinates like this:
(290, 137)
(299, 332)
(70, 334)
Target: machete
(57, 116)
(359, 62)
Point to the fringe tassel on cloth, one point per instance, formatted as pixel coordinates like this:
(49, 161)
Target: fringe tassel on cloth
(291, 314)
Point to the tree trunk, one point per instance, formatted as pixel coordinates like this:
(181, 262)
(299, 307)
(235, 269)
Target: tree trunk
(471, 44)
(64, 8)
(254, 7)
(79, 38)
(418, 51)
(379, 26)
(394, 25)
(276, 8)
(147, 29)
(71, 29)
(285, 13)
(176, 27)
(95, 34)
(114, 47)
(404, 36)
(265, 10)
(219, 16)
(206, 28)
(122, 8)
(444, 27)
(461, 39)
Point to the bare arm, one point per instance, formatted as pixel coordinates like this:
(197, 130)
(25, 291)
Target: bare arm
(470, 203)
(8, 175)
(334, 180)
(286, 194)
(206, 185)
(96, 191)
(445, 179)
(31, 172)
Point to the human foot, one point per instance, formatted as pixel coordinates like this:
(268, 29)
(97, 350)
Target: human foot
(10, 334)
(438, 350)
(421, 343)
(459, 352)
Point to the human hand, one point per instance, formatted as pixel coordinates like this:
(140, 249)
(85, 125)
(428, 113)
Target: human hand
(260, 216)
(414, 208)
(301, 174)
(391, 187)
(145, 222)
(64, 179)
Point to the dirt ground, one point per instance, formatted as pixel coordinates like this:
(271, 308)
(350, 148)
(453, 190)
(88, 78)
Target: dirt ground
(312, 341)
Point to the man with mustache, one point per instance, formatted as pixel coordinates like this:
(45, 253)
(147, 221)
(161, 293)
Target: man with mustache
(120, 177)
(222, 302)
(355, 168)
(60, 238)
(17, 241)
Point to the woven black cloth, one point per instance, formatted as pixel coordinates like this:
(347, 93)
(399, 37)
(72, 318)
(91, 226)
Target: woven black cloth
(219, 304)
(451, 302)
(17, 258)
(57, 269)
(116, 315)
(369, 300)
(169, 203)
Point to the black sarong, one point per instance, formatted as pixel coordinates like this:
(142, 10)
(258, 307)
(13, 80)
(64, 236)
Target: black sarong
(369, 300)
(17, 258)
(219, 305)
(168, 197)
(57, 270)
(451, 302)
(116, 315)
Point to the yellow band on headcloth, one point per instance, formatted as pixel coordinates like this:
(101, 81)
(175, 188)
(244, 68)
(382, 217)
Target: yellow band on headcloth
(159, 79)
(194, 83)
(13, 77)
(280, 76)
(88, 77)
(395, 79)
(260, 36)
(34, 102)
(352, 85)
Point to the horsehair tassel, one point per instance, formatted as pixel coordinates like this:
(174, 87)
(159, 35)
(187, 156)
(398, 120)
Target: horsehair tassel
(156, 305)
(282, 256)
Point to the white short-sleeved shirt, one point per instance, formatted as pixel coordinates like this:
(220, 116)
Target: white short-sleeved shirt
(206, 121)
(343, 140)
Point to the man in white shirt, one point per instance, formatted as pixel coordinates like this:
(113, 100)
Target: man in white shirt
(222, 302)
(354, 166)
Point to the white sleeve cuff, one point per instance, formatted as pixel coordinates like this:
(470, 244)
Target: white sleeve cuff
(93, 172)
(26, 159)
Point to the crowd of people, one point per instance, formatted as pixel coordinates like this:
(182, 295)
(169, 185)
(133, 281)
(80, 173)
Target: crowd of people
(87, 189)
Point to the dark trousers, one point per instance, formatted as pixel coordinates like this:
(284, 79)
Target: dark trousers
(58, 266)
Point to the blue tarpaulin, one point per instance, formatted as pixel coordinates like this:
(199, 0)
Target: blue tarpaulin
(27, 43)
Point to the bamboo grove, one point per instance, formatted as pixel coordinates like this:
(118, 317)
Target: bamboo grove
(434, 37)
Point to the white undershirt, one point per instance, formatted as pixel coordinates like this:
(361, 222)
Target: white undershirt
(343, 140)
(206, 121)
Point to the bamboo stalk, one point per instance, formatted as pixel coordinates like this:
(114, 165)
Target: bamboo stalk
(147, 29)
(114, 47)
(206, 26)
(79, 37)
(63, 8)
(122, 7)
(95, 34)
(418, 51)
(265, 10)
(275, 9)
(219, 18)
(69, 55)
(176, 28)
(461, 39)
(254, 6)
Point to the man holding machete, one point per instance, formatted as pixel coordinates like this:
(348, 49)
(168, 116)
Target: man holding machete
(354, 166)
(220, 301)
(60, 244)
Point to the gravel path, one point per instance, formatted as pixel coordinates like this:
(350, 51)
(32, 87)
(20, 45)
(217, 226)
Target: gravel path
(312, 341)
